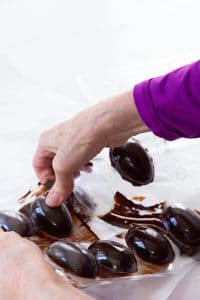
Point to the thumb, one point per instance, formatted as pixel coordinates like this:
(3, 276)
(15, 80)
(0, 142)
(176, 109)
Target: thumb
(62, 187)
(60, 191)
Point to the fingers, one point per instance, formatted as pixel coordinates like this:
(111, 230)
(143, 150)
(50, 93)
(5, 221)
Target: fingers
(65, 165)
(61, 189)
(42, 164)
(60, 156)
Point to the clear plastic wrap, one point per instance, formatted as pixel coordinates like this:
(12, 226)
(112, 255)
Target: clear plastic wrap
(95, 192)
(177, 176)
(176, 181)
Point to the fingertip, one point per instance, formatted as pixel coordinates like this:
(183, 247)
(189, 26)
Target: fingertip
(54, 199)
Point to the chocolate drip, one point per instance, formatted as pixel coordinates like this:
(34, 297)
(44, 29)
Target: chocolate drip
(180, 224)
(118, 221)
(122, 202)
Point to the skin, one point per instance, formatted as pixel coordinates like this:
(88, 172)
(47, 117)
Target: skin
(64, 149)
(25, 275)
(61, 153)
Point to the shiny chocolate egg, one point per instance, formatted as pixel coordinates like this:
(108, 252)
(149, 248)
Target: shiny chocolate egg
(74, 258)
(150, 245)
(113, 257)
(133, 163)
(183, 224)
(56, 222)
(16, 221)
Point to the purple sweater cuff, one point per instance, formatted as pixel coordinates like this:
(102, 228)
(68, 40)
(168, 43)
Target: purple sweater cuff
(148, 113)
(170, 104)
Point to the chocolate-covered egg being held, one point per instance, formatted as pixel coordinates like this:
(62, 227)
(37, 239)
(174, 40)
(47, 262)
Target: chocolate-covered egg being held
(16, 221)
(133, 163)
(56, 222)
(150, 245)
(113, 257)
(183, 224)
(74, 258)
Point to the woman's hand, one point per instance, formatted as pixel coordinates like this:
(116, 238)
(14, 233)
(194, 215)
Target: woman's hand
(64, 149)
(24, 274)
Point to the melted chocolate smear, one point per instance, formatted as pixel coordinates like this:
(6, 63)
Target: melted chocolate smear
(125, 214)
(124, 203)
(81, 204)
(119, 221)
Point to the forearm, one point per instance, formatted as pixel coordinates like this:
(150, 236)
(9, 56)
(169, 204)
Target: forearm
(124, 120)
(114, 120)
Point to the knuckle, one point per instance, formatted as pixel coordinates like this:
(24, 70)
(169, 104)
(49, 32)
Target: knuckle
(58, 167)
(59, 163)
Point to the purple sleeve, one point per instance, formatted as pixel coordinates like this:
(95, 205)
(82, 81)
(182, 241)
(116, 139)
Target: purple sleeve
(170, 105)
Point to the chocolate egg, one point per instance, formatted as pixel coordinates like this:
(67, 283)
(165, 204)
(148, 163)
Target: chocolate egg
(183, 224)
(150, 245)
(56, 222)
(74, 258)
(113, 257)
(15, 221)
(133, 163)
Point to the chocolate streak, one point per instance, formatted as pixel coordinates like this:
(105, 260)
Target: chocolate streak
(126, 214)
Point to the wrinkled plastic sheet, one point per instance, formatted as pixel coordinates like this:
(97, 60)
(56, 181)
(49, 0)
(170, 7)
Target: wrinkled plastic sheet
(176, 181)
(177, 176)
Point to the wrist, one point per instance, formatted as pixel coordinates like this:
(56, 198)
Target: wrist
(120, 120)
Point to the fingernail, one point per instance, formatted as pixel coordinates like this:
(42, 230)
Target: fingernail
(54, 199)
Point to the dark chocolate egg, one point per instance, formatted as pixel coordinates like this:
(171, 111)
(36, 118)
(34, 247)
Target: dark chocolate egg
(74, 258)
(15, 221)
(133, 163)
(113, 257)
(56, 221)
(183, 224)
(150, 245)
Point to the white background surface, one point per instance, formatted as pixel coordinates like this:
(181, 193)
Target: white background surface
(56, 57)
